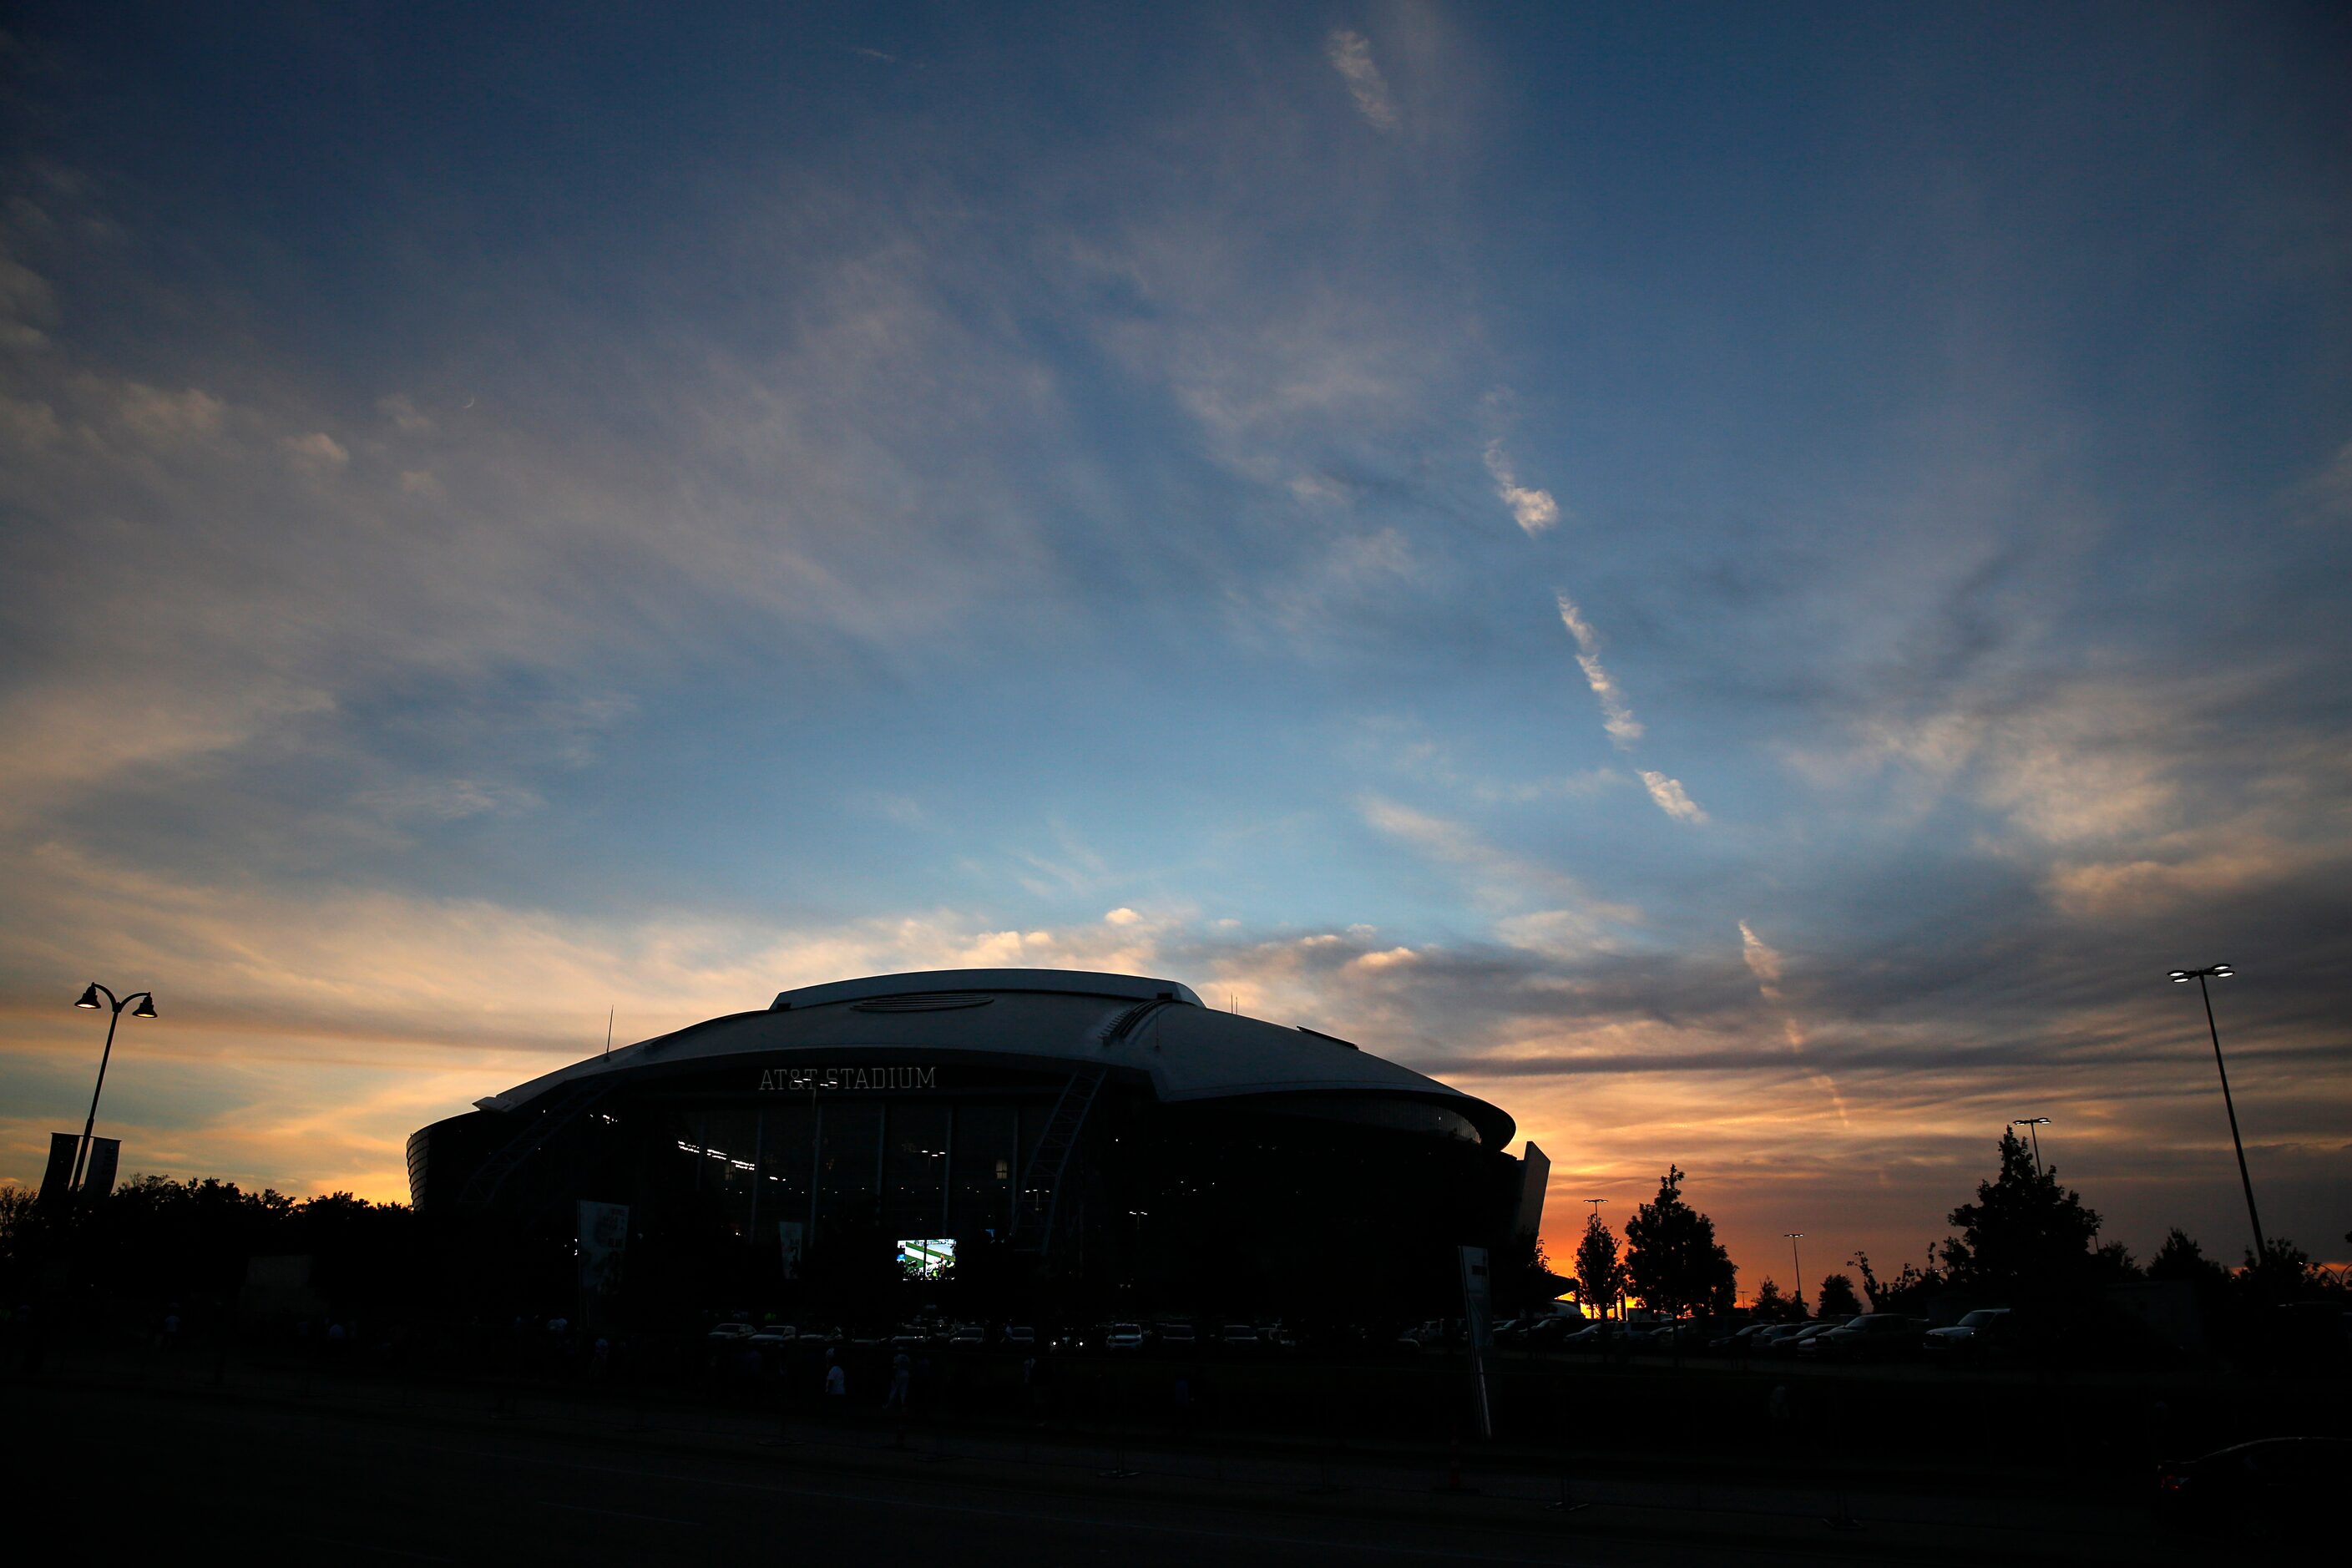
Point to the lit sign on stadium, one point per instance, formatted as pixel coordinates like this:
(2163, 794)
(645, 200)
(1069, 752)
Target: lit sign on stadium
(926, 1259)
(803, 1080)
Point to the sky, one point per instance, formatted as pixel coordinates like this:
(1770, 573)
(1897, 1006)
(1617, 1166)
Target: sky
(1740, 581)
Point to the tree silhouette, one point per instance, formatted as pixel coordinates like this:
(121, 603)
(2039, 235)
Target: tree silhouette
(1771, 1306)
(1906, 1292)
(1837, 1298)
(1673, 1261)
(2181, 1258)
(2025, 1235)
(1599, 1278)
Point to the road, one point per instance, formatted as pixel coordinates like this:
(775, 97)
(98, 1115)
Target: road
(154, 1472)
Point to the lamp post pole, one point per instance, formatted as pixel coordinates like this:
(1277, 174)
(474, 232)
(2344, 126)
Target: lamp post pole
(146, 1000)
(2223, 972)
(1596, 1204)
(1796, 1264)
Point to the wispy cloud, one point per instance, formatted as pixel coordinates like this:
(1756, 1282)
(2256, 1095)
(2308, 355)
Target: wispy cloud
(1671, 798)
(1762, 962)
(1616, 717)
(1350, 54)
(1534, 511)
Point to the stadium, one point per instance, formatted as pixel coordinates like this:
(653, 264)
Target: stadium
(1096, 1134)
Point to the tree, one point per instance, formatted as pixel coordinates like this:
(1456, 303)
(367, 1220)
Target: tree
(1837, 1298)
(2114, 1263)
(2285, 1272)
(1673, 1261)
(2025, 1235)
(1599, 1278)
(1771, 1306)
(2181, 1258)
(1906, 1292)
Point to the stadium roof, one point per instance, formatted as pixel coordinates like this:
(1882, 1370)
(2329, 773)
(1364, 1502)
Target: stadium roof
(1155, 1028)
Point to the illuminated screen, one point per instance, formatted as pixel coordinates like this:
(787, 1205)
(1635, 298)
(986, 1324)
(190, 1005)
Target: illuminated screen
(926, 1259)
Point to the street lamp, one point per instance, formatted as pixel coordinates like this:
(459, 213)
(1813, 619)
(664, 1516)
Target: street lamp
(2223, 972)
(146, 1009)
(1790, 1237)
(2029, 1123)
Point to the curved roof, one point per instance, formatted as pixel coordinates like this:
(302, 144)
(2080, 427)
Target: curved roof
(1153, 1028)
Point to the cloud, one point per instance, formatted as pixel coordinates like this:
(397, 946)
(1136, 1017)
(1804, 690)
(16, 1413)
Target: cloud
(1350, 54)
(450, 800)
(1671, 797)
(1533, 510)
(1122, 916)
(1762, 962)
(170, 418)
(2327, 496)
(1616, 717)
(318, 451)
(404, 415)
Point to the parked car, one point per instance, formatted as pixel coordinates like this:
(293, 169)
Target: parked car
(968, 1337)
(2285, 1488)
(1178, 1337)
(1020, 1337)
(726, 1334)
(1872, 1336)
(1123, 1337)
(1740, 1340)
(1962, 1340)
(1546, 1334)
(1593, 1337)
(1789, 1344)
(1238, 1337)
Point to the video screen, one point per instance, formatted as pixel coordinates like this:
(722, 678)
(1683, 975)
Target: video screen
(926, 1259)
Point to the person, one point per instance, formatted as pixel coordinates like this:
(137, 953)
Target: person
(836, 1387)
(902, 1378)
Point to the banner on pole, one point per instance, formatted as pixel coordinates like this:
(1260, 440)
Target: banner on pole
(57, 1179)
(97, 1176)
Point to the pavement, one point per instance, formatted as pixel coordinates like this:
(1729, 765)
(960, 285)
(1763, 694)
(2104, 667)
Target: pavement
(293, 1466)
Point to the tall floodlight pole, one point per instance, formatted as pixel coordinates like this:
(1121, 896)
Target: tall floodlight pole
(146, 1009)
(1791, 1236)
(2031, 1125)
(1596, 1204)
(2223, 972)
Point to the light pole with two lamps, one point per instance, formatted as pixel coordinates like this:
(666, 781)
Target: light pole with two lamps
(1791, 1237)
(2031, 1124)
(2223, 972)
(146, 1009)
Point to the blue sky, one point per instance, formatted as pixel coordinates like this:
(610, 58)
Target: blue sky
(1742, 584)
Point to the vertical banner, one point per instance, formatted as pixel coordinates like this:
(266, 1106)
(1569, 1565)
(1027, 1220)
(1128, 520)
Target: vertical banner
(603, 1233)
(97, 1176)
(1478, 1315)
(57, 1180)
(788, 1236)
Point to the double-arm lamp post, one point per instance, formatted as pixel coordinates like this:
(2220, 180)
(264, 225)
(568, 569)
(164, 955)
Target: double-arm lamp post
(89, 999)
(2223, 972)
(2034, 1125)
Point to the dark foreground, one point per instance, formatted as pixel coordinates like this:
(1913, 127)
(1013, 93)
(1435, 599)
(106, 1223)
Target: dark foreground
(348, 1471)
